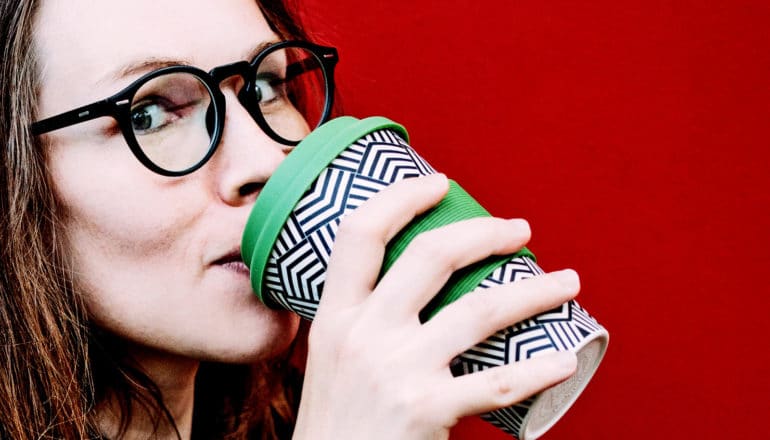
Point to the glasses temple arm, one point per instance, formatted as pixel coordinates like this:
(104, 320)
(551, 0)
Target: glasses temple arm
(72, 117)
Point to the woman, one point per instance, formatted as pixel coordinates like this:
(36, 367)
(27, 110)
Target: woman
(126, 311)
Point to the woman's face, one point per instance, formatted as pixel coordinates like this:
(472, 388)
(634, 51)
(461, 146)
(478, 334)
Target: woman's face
(155, 255)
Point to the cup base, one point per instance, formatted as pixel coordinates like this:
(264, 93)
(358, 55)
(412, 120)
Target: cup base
(550, 405)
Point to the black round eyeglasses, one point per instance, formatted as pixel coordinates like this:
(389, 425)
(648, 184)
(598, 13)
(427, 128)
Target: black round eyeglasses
(172, 118)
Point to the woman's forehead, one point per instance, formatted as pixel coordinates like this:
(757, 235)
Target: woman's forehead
(89, 46)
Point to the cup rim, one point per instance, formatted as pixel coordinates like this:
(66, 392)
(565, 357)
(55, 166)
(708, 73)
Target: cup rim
(291, 180)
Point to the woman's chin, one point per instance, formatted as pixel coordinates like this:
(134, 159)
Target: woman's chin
(266, 342)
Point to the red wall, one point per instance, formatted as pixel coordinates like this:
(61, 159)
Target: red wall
(633, 135)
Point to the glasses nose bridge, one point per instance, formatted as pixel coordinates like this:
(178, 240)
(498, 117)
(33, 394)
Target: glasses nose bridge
(240, 68)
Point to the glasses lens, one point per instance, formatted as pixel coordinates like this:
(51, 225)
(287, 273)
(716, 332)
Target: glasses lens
(169, 119)
(291, 90)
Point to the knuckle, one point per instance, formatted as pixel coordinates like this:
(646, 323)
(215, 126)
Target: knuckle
(478, 304)
(418, 409)
(337, 335)
(357, 226)
(430, 246)
(500, 386)
(406, 401)
(353, 347)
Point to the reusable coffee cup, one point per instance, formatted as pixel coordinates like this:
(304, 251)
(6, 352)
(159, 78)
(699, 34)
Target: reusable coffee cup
(290, 235)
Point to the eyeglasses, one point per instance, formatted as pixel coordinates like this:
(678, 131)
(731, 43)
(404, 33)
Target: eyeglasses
(172, 118)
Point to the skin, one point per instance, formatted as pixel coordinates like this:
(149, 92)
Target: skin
(145, 247)
(370, 331)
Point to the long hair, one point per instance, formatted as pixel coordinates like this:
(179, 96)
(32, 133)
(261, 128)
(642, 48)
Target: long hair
(55, 367)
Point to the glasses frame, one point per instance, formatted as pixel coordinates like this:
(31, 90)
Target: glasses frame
(118, 106)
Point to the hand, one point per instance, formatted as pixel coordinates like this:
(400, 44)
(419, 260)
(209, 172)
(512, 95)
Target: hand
(374, 371)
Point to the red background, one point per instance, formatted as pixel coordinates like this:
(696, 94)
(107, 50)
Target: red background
(633, 135)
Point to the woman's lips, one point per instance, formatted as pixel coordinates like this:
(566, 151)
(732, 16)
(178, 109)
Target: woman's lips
(233, 261)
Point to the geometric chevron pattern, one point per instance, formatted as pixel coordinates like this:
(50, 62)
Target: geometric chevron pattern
(561, 329)
(296, 269)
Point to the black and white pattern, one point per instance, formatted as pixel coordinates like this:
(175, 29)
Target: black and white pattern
(296, 269)
(565, 328)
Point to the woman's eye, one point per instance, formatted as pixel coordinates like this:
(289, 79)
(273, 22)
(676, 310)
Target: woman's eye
(269, 89)
(148, 117)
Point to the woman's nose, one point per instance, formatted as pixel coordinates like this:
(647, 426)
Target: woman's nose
(246, 156)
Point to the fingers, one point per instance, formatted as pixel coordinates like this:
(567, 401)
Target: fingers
(506, 385)
(432, 257)
(485, 311)
(359, 246)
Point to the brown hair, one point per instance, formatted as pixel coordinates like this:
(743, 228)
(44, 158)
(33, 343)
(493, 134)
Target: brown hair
(54, 366)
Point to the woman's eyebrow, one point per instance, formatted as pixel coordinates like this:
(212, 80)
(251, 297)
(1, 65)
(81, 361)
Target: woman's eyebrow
(140, 67)
(135, 68)
(250, 55)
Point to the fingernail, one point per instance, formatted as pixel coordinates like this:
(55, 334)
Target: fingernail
(568, 278)
(440, 177)
(520, 224)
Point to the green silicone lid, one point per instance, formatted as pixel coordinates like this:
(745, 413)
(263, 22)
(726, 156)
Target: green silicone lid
(290, 181)
(298, 171)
